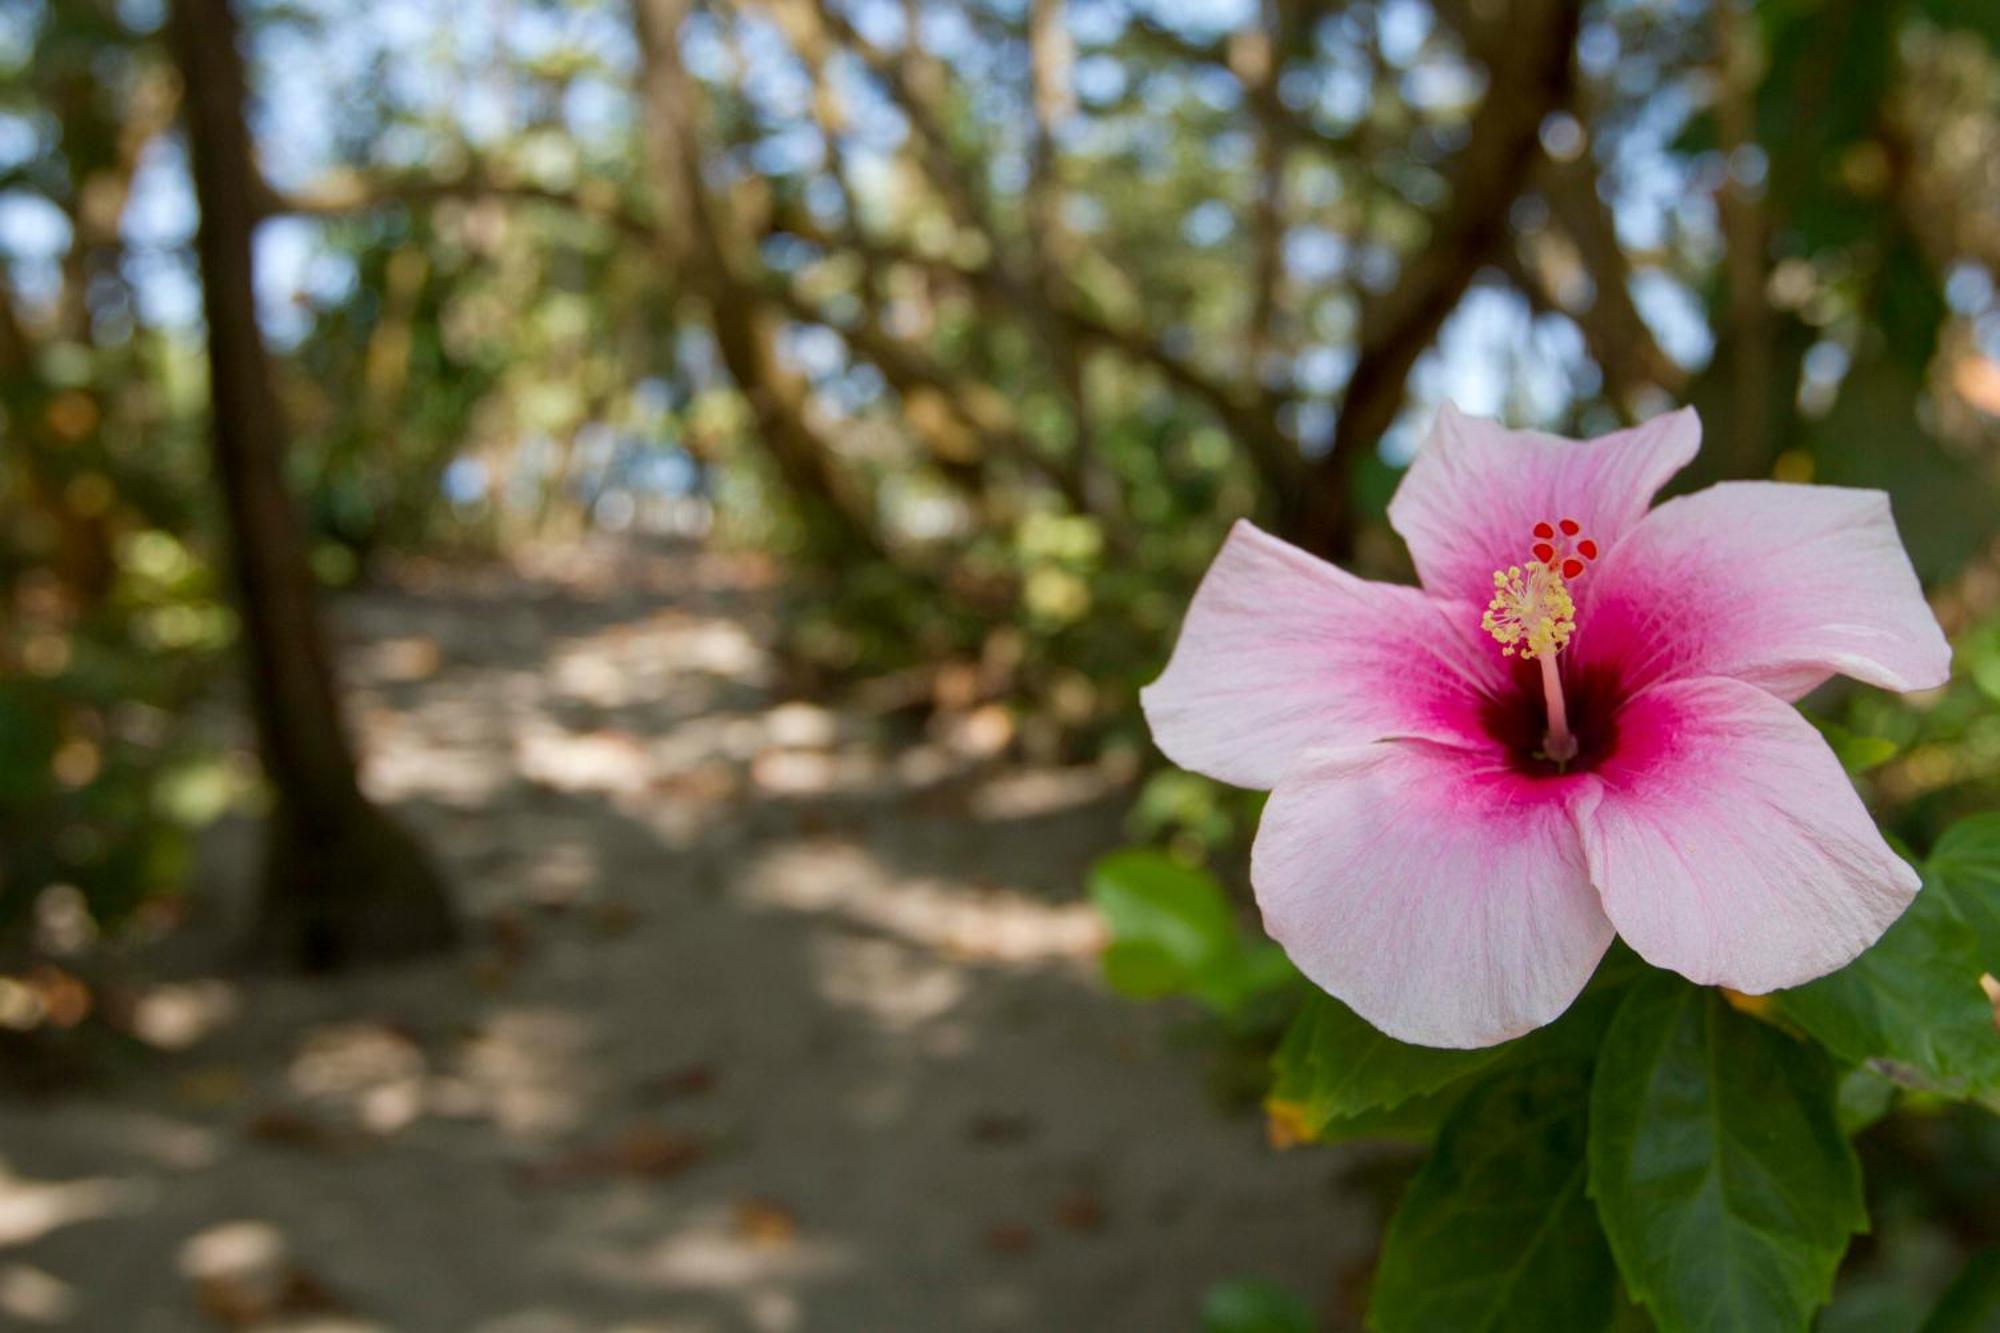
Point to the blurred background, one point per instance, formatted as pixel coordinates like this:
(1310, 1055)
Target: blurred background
(653, 516)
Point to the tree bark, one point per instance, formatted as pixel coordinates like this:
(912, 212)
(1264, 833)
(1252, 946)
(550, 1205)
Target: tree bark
(342, 883)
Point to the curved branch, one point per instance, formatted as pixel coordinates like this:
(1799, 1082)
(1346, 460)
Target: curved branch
(1529, 77)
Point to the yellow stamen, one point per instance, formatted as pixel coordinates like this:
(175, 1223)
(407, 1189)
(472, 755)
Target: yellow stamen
(1531, 613)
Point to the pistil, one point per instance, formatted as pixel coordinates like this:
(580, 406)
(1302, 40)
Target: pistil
(1533, 615)
(1558, 744)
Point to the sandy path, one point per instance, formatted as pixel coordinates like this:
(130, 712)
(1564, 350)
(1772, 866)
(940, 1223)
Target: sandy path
(770, 1023)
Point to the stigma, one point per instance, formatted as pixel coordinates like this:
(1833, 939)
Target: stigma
(1532, 614)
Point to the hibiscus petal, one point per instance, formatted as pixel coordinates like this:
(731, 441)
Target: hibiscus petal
(1778, 585)
(1475, 491)
(1441, 896)
(1281, 651)
(1728, 844)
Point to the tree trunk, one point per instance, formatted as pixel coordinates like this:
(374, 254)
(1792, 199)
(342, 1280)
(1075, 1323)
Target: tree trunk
(714, 258)
(342, 883)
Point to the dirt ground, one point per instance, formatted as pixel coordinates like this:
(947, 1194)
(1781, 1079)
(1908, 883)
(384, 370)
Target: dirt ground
(767, 1021)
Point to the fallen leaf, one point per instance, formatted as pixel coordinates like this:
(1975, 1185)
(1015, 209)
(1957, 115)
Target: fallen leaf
(289, 1127)
(210, 1087)
(615, 918)
(647, 1150)
(237, 1303)
(511, 936)
(65, 1000)
(1080, 1210)
(687, 1081)
(1286, 1124)
(766, 1223)
(1010, 1238)
(1000, 1127)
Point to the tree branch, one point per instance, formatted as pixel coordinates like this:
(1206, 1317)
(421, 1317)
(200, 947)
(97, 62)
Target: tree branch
(1619, 337)
(716, 259)
(1529, 77)
(342, 193)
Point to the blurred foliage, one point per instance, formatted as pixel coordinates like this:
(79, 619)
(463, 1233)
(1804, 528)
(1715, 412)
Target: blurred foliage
(1684, 1087)
(1246, 1305)
(1174, 932)
(100, 785)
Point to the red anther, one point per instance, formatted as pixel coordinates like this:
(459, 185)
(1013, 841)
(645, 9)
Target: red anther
(1587, 549)
(1570, 528)
(1572, 567)
(1545, 532)
(1544, 552)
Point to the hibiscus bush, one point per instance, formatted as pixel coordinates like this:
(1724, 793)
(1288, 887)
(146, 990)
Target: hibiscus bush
(1685, 1148)
(1568, 889)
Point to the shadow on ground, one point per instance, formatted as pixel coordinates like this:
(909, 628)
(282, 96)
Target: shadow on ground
(772, 1020)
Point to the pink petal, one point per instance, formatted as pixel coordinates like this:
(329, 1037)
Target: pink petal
(1281, 651)
(1439, 895)
(1728, 844)
(1778, 585)
(1475, 491)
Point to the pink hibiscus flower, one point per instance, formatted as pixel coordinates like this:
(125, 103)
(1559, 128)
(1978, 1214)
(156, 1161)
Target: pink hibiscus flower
(1579, 725)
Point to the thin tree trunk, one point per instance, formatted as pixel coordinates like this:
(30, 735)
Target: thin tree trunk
(343, 884)
(714, 258)
(1746, 446)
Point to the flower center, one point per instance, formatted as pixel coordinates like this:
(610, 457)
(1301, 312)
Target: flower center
(1532, 616)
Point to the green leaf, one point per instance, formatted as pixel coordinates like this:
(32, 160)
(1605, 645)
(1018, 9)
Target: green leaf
(1971, 1304)
(1966, 864)
(1976, 16)
(1864, 1097)
(1857, 753)
(1252, 970)
(1911, 1007)
(1497, 1232)
(1333, 1064)
(1147, 896)
(1143, 970)
(28, 737)
(1250, 1305)
(1335, 1077)
(1417, 1120)
(1173, 932)
(1719, 1169)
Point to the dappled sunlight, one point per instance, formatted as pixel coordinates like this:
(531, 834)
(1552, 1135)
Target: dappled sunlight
(1027, 793)
(245, 1274)
(660, 712)
(729, 1250)
(896, 987)
(34, 1296)
(609, 762)
(127, 1137)
(30, 1209)
(553, 1320)
(962, 922)
(176, 1015)
(463, 776)
(528, 1070)
(376, 1074)
(744, 977)
(560, 874)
